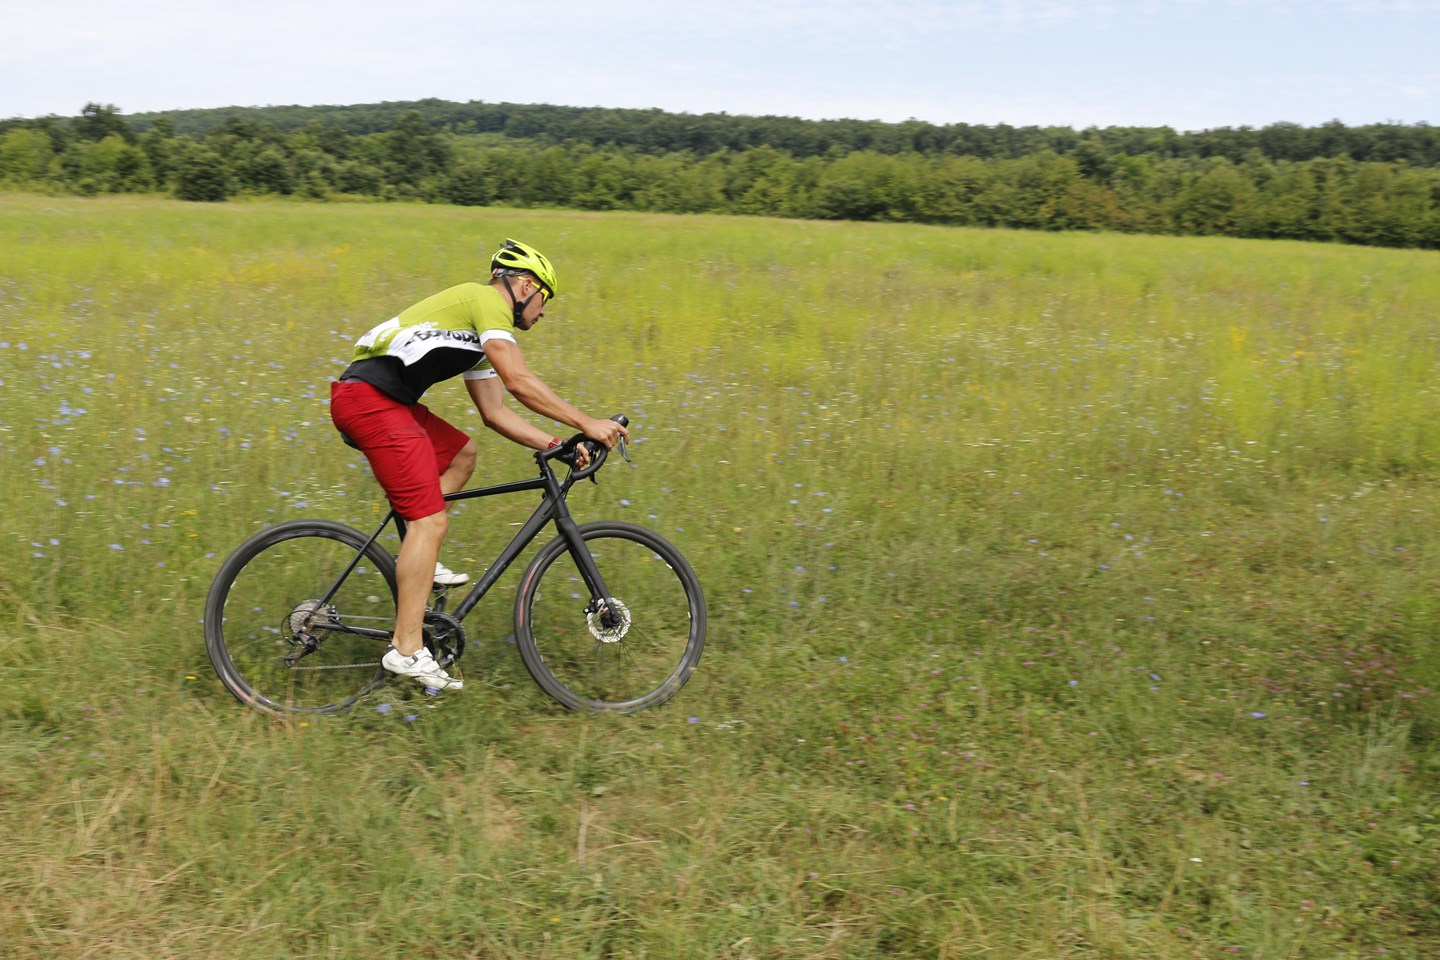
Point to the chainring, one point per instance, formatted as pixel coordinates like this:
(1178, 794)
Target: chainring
(444, 637)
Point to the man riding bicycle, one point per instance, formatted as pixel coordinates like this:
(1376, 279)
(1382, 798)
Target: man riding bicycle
(417, 456)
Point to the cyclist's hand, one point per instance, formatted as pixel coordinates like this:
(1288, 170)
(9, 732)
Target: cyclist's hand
(607, 432)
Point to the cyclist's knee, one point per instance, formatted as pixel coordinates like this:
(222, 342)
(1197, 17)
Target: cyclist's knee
(462, 465)
(435, 525)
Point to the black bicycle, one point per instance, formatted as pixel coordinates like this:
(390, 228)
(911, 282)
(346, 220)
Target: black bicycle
(608, 616)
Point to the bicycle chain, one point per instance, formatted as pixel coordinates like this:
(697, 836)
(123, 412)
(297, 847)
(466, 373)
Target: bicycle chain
(336, 666)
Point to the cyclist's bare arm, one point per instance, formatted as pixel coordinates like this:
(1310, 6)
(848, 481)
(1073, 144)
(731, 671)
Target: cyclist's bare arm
(489, 397)
(530, 390)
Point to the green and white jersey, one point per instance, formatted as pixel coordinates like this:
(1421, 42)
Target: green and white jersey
(438, 338)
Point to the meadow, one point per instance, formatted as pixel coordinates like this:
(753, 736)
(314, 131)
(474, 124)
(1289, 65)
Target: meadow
(1071, 596)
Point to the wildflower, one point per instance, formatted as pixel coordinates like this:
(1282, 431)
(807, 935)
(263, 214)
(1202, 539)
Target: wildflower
(383, 708)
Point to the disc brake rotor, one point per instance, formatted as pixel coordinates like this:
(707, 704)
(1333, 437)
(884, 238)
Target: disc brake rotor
(616, 631)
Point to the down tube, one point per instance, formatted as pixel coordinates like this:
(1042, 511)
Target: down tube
(519, 542)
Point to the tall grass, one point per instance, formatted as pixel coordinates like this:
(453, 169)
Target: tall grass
(1071, 596)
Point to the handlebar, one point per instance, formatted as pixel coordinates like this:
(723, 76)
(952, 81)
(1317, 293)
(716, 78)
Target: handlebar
(565, 452)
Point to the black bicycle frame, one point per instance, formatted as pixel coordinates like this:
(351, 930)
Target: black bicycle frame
(553, 508)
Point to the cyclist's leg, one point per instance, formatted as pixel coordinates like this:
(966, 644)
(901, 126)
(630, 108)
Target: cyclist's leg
(455, 452)
(461, 467)
(414, 576)
(455, 455)
(406, 446)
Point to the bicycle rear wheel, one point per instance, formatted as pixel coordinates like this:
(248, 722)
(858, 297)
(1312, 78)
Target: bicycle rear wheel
(639, 655)
(275, 639)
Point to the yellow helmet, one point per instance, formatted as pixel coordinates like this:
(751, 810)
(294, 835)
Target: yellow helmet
(516, 257)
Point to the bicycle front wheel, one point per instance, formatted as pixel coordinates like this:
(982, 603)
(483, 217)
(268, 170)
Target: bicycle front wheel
(289, 630)
(635, 656)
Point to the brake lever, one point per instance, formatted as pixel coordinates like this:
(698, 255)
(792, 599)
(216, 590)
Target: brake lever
(624, 455)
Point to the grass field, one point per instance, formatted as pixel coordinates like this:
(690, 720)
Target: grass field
(1071, 596)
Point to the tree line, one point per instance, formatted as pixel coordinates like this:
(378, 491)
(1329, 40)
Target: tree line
(658, 132)
(1376, 185)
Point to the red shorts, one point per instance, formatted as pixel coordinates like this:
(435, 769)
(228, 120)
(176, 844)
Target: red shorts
(408, 446)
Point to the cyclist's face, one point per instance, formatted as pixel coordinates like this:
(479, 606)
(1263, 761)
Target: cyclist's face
(535, 309)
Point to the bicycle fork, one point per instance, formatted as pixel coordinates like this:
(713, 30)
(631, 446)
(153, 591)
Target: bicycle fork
(600, 603)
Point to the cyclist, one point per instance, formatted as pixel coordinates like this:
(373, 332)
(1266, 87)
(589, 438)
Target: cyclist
(463, 331)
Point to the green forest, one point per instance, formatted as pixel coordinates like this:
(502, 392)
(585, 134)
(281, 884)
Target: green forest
(1376, 185)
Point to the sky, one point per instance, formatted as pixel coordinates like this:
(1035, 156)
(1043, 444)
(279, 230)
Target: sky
(1185, 64)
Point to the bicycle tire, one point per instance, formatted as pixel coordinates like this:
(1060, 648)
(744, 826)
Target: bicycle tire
(270, 586)
(639, 663)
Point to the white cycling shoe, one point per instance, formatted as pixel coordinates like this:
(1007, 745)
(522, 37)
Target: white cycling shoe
(421, 668)
(445, 577)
